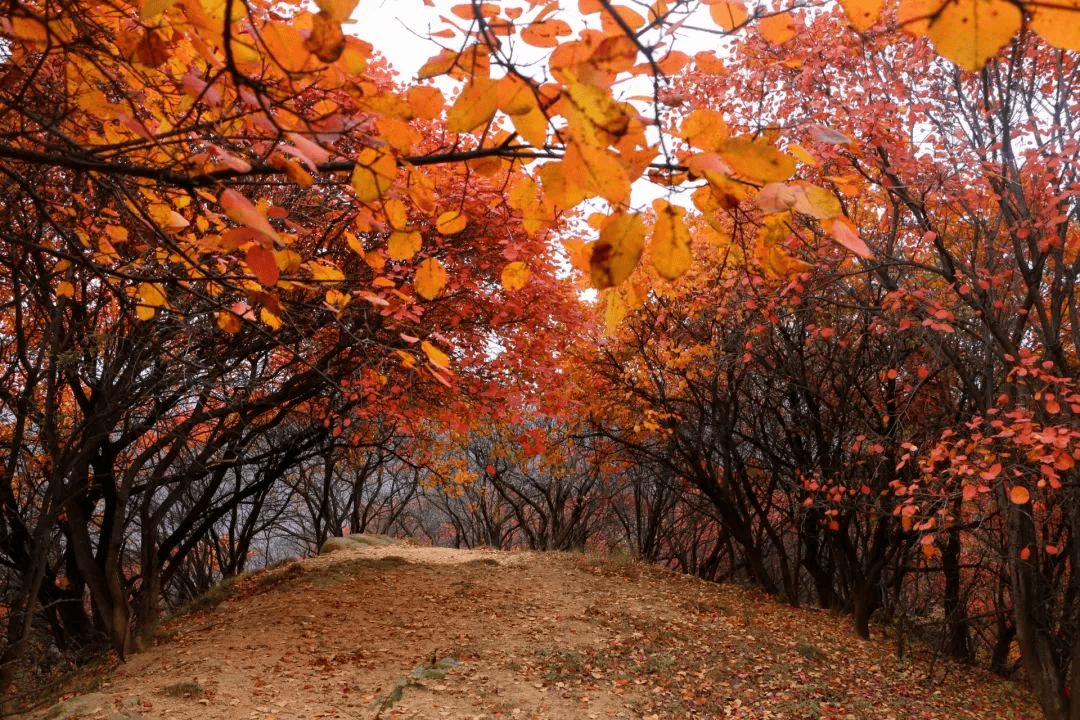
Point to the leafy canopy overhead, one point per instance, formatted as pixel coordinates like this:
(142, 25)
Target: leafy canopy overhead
(205, 104)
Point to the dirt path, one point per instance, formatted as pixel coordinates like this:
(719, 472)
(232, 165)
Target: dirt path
(407, 632)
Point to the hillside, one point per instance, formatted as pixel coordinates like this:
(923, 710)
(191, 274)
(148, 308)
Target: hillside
(408, 632)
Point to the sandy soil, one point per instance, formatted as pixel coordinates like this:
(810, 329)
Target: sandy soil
(341, 631)
(413, 632)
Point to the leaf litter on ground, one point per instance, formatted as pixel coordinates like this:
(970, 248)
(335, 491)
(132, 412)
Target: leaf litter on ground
(393, 631)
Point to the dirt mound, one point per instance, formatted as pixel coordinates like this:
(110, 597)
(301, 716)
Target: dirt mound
(376, 630)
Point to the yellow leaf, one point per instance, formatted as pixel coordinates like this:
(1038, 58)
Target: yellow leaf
(451, 222)
(403, 245)
(373, 175)
(783, 265)
(757, 160)
(430, 279)
(167, 219)
(65, 289)
(970, 32)
(555, 177)
(614, 312)
(728, 14)
(474, 107)
(152, 8)
(325, 273)
(339, 10)
(802, 154)
(397, 215)
(288, 260)
(669, 249)
(354, 244)
(229, 322)
(616, 253)
(598, 108)
(153, 295)
(436, 356)
(270, 319)
(514, 276)
(862, 14)
(816, 201)
(778, 29)
(1058, 24)
(532, 126)
(596, 171)
(144, 312)
(704, 128)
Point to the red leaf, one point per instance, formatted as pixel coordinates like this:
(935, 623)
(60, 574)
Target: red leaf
(262, 262)
(242, 211)
(844, 233)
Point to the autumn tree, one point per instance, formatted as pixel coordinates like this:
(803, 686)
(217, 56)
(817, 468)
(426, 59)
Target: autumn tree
(966, 204)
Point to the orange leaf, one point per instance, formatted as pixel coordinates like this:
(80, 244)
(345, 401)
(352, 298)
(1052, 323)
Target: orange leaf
(778, 29)
(425, 102)
(430, 279)
(451, 222)
(514, 276)
(436, 356)
(152, 8)
(326, 40)
(704, 128)
(1058, 23)
(862, 14)
(728, 14)
(1019, 495)
(546, 33)
(403, 245)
